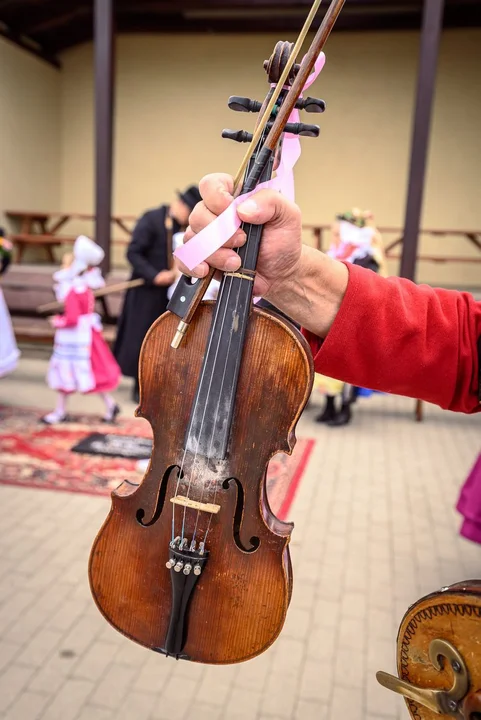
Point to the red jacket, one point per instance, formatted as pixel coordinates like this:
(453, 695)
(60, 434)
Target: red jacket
(404, 339)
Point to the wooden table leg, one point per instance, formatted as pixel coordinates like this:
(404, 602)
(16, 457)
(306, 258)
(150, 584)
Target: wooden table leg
(419, 410)
(20, 250)
(50, 253)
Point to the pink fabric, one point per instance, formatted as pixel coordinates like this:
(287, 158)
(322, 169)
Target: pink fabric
(104, 366)
(469, 504)
(212, 237)
(291, 145)
(76, 304)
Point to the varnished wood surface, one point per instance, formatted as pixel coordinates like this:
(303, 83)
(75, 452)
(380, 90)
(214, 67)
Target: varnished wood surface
(241, 599)
(453, 614)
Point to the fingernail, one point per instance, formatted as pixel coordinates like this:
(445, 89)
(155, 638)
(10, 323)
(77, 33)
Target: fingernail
(249, 207)
(232, 264)
(199, 271)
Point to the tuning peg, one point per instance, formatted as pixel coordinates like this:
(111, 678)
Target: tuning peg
(243, 104)
(311, 105)
(238, 135)
(302, 129)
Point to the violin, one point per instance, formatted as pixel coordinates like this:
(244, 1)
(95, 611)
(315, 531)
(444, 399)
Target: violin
(192, 562)
(439, 655)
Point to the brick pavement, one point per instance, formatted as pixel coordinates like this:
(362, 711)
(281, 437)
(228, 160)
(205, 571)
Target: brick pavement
(375, 529)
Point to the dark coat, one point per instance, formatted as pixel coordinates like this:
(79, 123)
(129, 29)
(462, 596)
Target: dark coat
(148, 255)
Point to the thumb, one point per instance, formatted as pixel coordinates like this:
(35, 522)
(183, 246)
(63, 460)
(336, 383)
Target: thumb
(268, 206)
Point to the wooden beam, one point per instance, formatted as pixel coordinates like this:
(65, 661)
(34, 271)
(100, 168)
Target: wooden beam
(57, 21)
(29, 46)
(104, 39)
(430, 38)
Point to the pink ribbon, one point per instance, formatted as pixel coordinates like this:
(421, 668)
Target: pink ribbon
(214, 235)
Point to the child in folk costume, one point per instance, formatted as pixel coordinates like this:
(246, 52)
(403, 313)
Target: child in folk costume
(9, 352)
(81, 361)
(356, 240)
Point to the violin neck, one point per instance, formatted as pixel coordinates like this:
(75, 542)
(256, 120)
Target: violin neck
(210, 423)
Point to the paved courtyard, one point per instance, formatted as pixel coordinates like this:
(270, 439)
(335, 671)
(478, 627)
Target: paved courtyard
(375, 528)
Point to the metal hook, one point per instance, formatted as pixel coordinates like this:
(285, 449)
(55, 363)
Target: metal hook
(445, 702)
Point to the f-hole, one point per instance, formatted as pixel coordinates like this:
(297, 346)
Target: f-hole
(239, 510)
(140, 514)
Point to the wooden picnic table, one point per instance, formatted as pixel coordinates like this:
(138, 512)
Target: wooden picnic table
(472, 236)
(42, 229)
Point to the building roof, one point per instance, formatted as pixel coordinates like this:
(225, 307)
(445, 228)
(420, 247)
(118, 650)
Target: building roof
(47, 27)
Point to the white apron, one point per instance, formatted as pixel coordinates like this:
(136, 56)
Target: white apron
(9, 352)
(70, 368)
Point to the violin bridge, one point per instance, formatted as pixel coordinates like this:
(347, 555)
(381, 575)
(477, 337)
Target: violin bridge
(202, 507)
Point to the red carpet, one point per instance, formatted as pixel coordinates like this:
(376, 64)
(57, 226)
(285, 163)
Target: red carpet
(35, 455)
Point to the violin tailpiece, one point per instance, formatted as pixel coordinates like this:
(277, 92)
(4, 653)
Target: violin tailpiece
(185, 567)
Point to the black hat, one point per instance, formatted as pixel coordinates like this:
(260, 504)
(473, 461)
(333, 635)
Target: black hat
(190, 197)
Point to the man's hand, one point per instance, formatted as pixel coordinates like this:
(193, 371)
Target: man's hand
(304, 283)
(165, 277)
(280, 249)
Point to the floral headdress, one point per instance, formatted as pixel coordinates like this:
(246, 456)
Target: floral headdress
(6, 251)
(356, 217)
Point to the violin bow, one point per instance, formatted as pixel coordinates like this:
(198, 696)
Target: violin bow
(198, 290)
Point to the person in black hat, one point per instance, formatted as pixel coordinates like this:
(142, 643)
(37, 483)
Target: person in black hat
(150, 254)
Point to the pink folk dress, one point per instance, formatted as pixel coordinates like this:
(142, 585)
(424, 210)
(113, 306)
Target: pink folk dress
(469, 504)
(82, 360)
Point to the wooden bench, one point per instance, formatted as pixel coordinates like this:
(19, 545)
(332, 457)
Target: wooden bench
(38, 330)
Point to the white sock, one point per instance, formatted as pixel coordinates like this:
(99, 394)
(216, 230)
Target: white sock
(109, 402)
(59, 413)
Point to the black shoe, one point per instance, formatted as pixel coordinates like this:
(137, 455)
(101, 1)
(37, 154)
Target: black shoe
(343, 417)
(110, 418)
(329, 412)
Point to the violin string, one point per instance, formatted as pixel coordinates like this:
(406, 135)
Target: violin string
(192, 472)
(211, 442)
(229, 285)
(217, 310)
(209, 456)
(225, 285)
(218, 405)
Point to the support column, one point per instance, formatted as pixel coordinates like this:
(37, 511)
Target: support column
(430, 38)
(104, 40)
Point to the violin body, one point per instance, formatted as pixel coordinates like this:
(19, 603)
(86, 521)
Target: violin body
(439, 655)
(236, 604)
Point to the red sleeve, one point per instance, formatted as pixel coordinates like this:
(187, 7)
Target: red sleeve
(405, 339)
(72, 312)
